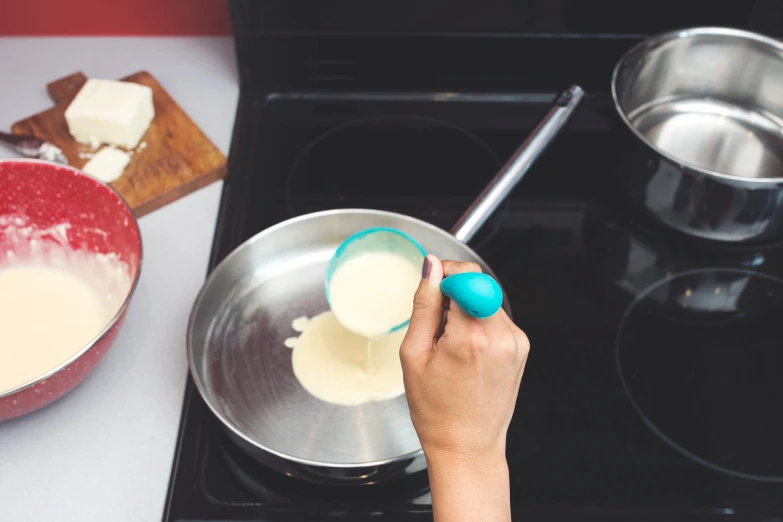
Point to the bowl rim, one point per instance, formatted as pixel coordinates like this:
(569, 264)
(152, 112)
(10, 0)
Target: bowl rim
(643, 47)
(4, 394)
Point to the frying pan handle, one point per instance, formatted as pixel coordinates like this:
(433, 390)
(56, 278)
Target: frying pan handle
(516, 168)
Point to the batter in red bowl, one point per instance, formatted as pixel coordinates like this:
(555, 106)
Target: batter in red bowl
(70, 257)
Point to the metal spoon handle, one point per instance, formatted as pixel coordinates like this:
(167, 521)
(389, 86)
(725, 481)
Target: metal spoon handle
(20, 140)
(515, 169)
(33, 147)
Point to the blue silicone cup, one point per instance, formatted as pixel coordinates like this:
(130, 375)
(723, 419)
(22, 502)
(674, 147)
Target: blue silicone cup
(477, 294)
(379, 239)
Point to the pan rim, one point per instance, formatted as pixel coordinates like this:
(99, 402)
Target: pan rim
(200, 386)
(680, 34)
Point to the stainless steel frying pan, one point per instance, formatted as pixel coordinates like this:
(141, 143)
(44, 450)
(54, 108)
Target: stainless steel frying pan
(244, 313)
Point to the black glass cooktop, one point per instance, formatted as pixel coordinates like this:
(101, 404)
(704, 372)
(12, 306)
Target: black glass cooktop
(654, 384)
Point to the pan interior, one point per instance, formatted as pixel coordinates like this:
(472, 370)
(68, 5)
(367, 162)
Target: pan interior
(252, 378)
(243, 368)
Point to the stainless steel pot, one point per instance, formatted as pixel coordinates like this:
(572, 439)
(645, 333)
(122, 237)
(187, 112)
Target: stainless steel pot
(705, 109)
(244, 312)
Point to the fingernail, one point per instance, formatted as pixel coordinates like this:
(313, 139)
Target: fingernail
(426, 268)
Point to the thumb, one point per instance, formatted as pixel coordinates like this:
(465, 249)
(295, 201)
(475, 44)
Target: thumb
(427, 311)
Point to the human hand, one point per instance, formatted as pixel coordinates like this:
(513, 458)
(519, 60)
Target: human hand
(462, 386)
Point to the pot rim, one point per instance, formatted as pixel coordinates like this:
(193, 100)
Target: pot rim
(74, 171)
(680, 34)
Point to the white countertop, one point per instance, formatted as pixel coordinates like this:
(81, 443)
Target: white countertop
(104, 452)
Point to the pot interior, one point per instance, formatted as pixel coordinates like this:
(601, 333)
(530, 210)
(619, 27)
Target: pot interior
(711, 99)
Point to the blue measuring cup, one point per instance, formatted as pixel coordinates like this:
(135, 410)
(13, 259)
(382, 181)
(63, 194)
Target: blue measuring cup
(477, 294)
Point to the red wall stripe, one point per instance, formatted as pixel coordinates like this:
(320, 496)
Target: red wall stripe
(114, 17)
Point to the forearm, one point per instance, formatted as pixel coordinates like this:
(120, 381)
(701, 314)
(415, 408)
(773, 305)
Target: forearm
(469, 489)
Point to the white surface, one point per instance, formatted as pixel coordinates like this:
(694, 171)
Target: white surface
(107, 164)
(104, 452)
(110, 111)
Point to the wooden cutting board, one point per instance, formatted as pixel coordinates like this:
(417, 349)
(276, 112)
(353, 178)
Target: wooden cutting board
(177, 157)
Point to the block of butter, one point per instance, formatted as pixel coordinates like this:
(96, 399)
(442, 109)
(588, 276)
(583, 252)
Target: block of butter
(112, 112)
(107, 164)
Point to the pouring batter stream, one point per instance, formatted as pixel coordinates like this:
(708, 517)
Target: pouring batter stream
(350, 355)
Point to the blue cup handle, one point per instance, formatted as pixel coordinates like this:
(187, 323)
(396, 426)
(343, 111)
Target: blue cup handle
(477, 294)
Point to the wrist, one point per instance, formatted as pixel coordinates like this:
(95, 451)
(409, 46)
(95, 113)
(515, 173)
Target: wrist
(491, 461)
(469, 487)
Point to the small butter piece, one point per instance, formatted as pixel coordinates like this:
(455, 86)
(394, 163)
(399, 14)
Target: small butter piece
(112, 112)
(107, 164)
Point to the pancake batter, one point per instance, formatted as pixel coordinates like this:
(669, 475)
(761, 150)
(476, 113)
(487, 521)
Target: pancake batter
(47, 315)
(299, 325)
(329, 362)
(373, 292)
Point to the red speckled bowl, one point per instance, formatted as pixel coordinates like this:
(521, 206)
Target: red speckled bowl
(46, 195)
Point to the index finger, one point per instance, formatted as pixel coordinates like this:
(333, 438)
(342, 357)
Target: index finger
(454, 311)
(459, 267)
